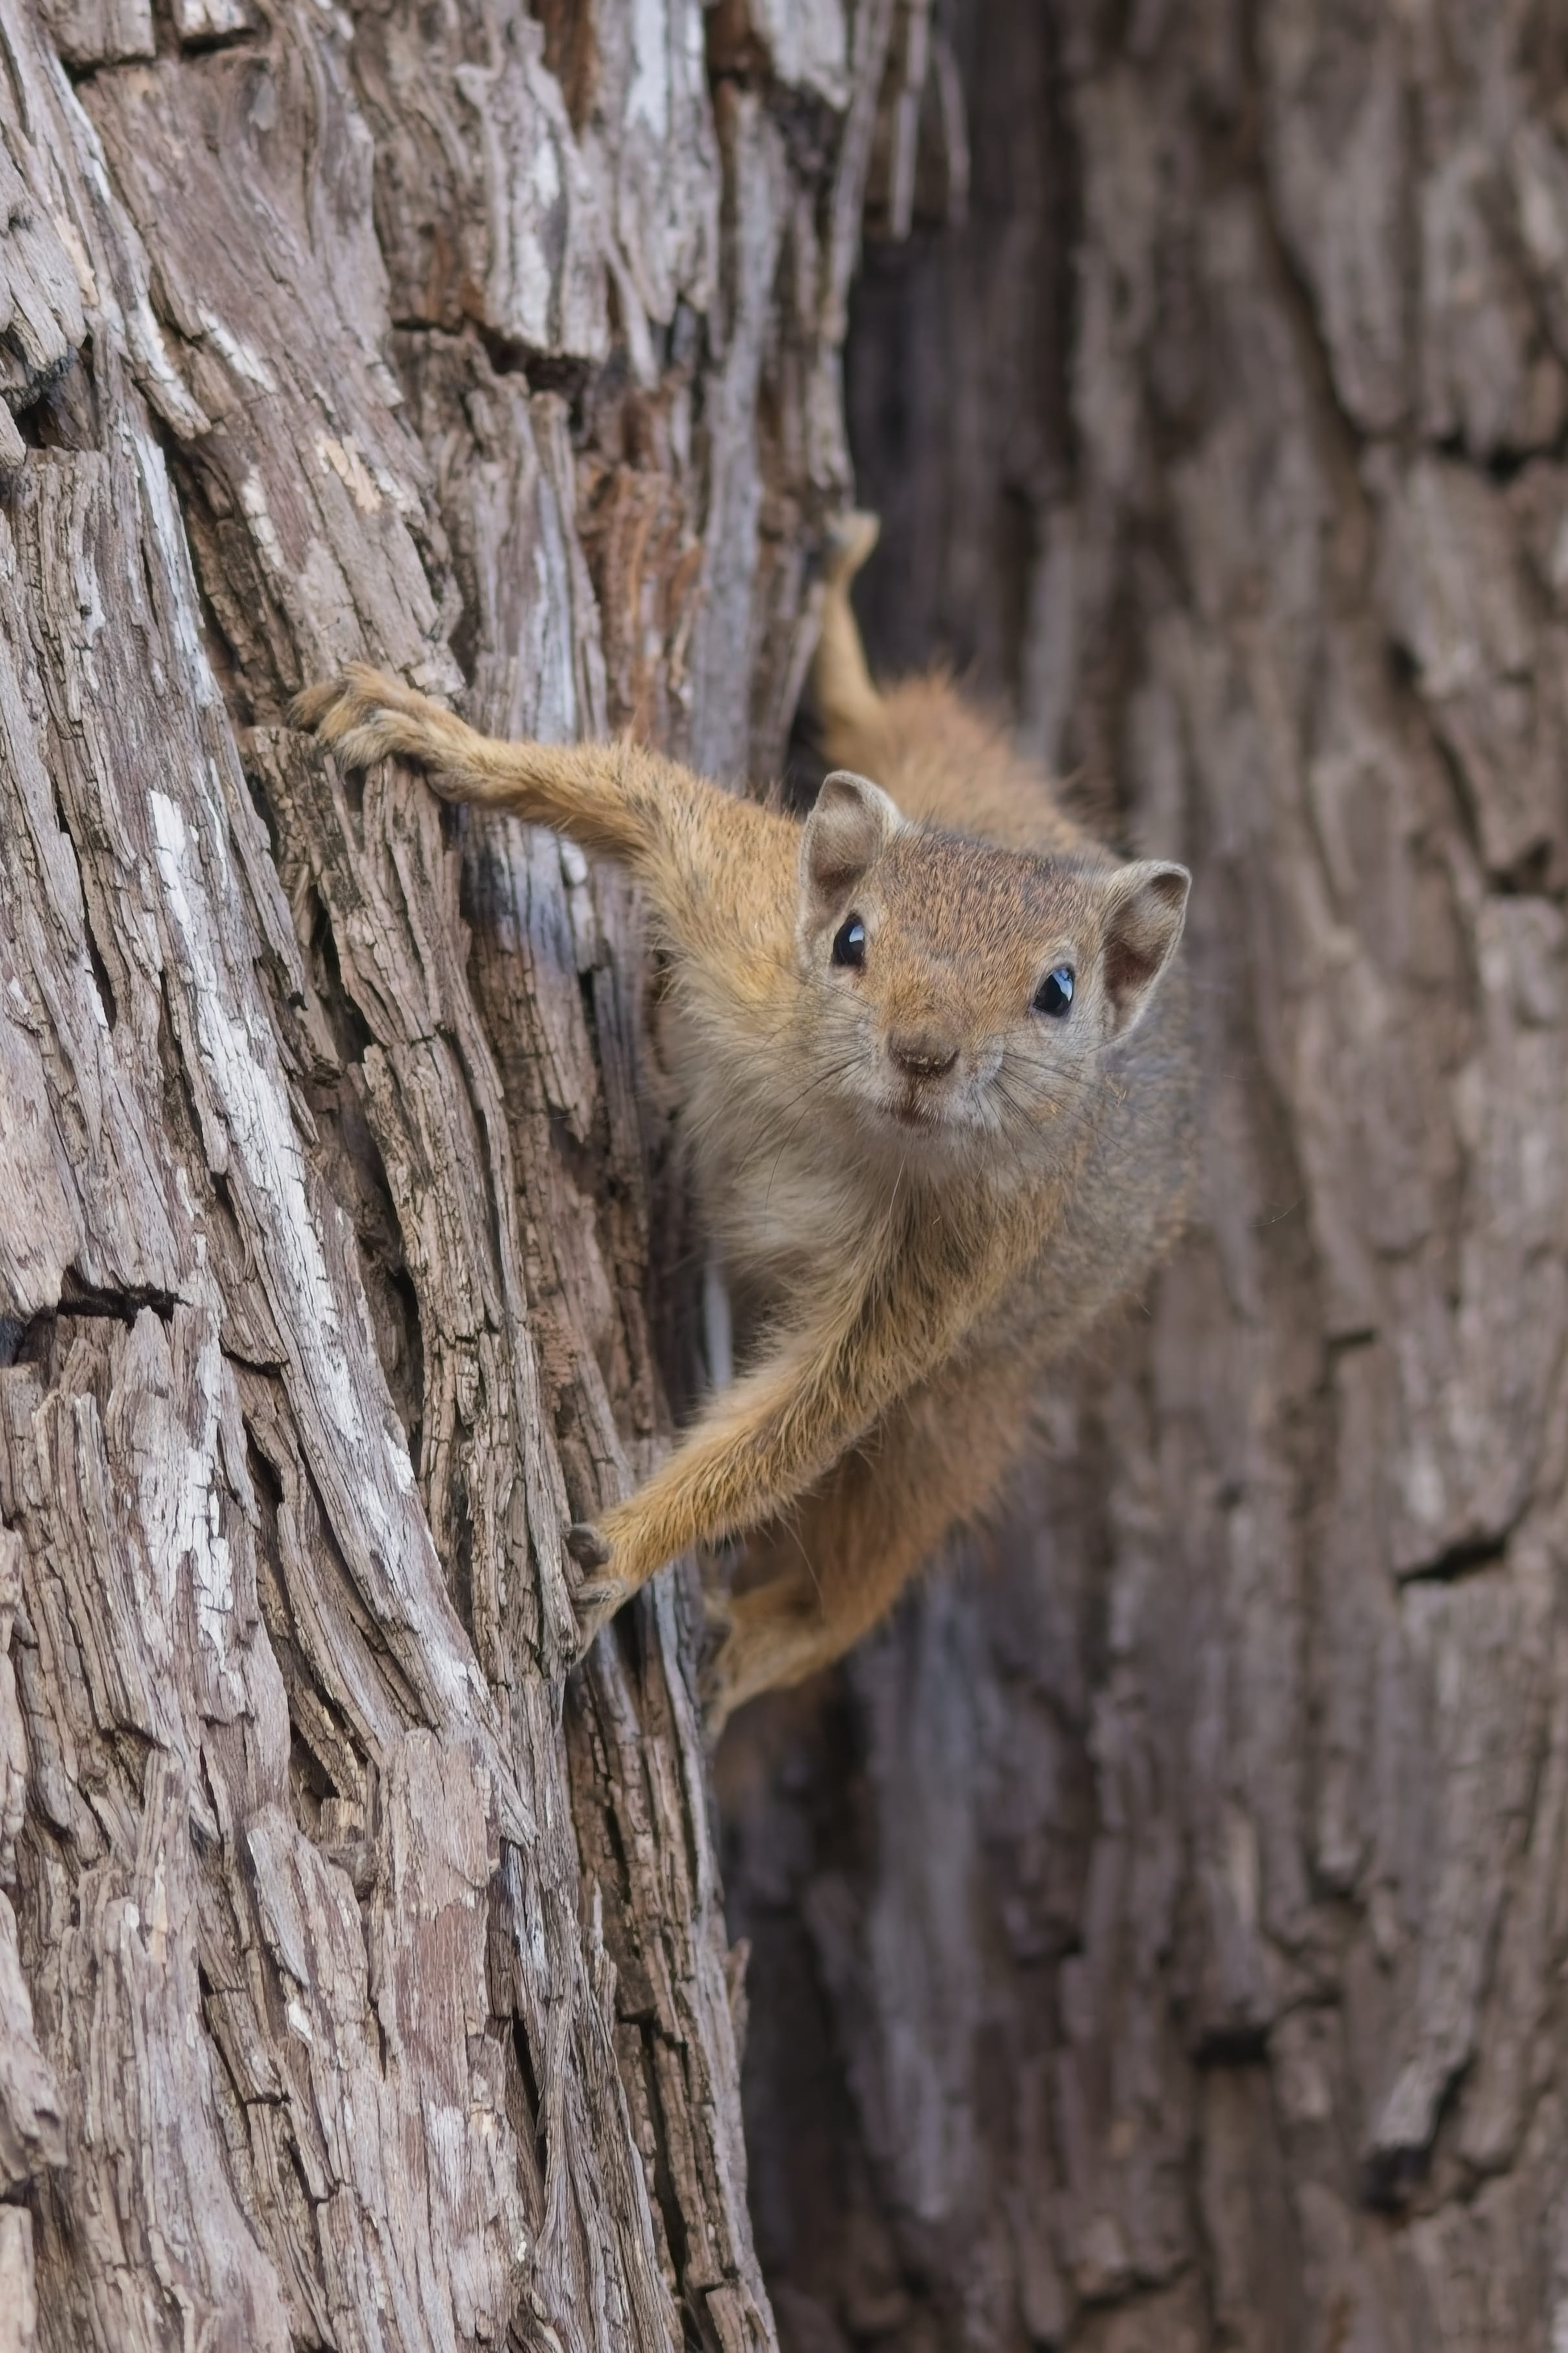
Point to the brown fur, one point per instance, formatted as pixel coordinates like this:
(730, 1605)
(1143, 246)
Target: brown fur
(920, 1188)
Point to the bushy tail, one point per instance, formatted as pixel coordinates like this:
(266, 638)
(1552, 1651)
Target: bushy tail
(847, 701)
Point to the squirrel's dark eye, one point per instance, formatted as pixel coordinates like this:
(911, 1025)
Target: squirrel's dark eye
(1054, 993)
(849, 945)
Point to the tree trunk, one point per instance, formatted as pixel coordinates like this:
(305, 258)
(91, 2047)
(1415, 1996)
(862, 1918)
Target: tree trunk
(1159, 1932)
(357, 1987)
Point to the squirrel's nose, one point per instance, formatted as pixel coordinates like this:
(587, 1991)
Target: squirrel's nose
(921, 1053)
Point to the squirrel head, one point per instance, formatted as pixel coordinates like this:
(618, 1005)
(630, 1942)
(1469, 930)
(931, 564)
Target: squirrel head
(961, 993)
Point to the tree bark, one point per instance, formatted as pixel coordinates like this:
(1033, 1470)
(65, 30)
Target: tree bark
(1159, 1931)
(362, 1982)
(1157, 1934)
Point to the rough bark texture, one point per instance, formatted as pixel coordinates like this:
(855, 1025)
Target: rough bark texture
(1159, 1934)
(354, 1991)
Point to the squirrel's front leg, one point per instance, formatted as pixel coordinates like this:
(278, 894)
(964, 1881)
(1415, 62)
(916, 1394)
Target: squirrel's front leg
(756, 1447)
(766, 1439)
(617, 799)
(701, 855)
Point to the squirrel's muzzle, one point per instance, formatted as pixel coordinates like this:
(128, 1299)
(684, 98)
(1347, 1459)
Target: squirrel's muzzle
(921, 1053)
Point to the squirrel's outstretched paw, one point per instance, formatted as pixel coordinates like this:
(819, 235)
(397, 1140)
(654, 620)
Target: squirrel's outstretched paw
(366, 716)
(727, 1677)
(723, 1681)
(772, 1635)
(333, 705)
(594, 1603)
(713, 1696)
(597, 1597)
(587, 1545)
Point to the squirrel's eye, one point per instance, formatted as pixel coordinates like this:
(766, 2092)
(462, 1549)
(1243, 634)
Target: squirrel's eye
(849, 945)
(1054, 993)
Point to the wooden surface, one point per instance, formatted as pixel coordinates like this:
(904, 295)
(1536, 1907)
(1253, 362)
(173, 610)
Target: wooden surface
(357, 1987)
(1157, 1935)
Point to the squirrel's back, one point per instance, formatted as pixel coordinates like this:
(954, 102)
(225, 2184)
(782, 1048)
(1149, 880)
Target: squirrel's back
(944, 762)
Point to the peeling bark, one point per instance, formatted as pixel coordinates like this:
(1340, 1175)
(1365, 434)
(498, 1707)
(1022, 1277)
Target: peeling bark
(362, 1982)
(1157, 1933)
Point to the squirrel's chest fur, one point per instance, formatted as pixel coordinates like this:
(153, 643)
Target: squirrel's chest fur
(790, 1208)
(797, 1206)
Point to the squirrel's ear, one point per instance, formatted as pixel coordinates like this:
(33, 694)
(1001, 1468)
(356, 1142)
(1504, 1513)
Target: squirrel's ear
(1145, 906)
(848, 829)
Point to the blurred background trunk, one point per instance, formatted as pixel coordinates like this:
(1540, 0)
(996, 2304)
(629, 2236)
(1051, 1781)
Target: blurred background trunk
(1157, 1932)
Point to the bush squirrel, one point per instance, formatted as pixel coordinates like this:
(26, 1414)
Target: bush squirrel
(940, 1106)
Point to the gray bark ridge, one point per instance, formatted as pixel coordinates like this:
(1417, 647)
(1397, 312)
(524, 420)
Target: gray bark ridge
(356, 1988)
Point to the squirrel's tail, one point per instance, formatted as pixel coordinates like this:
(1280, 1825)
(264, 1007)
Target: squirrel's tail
(846, 699)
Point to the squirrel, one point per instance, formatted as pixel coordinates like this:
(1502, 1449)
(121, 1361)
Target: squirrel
(933, 1060)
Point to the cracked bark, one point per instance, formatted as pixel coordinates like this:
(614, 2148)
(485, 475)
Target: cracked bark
(361, 1983)
(1158, 1933)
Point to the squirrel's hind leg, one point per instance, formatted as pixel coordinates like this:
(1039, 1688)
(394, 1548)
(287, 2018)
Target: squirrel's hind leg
(835, 1568)
(775, 1634)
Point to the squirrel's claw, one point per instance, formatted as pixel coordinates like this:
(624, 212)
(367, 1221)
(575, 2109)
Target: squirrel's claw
(715, 1678)
(598, 1599)
(587, 1545)
(595, 1603)
(714, 1698)
(364, 716)
(312, 704)
(334, 705)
